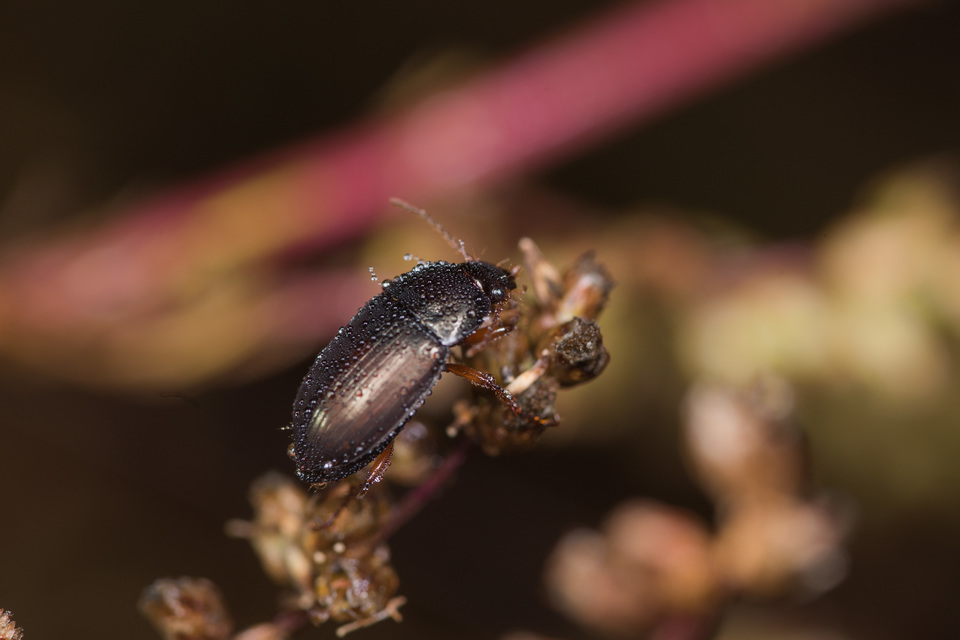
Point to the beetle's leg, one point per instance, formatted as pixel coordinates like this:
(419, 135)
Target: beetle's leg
(377, 468)
(375, 475)
(481, 338)
(486, 381)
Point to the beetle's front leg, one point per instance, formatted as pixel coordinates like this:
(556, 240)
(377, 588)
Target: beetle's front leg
(486, 381)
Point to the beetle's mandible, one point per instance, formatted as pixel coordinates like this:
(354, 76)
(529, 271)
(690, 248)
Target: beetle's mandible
(378, 370)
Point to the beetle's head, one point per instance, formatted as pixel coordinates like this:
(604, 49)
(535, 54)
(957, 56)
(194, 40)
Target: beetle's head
(494, 281)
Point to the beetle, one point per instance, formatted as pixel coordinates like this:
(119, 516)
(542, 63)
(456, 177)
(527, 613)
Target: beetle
(378, 370)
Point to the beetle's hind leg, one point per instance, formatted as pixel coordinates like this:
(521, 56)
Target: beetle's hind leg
(377, 468)
(375, 474)
(486, 381)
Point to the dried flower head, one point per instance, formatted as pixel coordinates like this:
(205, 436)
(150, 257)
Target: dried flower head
(325, 548)
(554, 343)
(8, 628)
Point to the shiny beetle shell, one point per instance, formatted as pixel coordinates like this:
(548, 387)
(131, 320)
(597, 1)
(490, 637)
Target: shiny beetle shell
(377, 371)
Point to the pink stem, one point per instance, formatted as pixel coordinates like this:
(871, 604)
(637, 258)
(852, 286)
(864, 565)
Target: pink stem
(417, 498)
(623, 68)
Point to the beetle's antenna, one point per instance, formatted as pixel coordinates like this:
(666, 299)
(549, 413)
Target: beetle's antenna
(456, 244)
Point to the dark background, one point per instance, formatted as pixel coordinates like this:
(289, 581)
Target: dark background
(101, 493)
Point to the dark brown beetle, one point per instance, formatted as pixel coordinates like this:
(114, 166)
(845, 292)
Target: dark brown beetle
(370, 380)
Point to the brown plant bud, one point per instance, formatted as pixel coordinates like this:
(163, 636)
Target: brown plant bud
(575, 352)
(326, 548)
(186, 609)
(741, 443)
(555, 343)
(780, 548)
(649, 562)
(581, 292)
(279, 506)
(8, 628)
(266, 631)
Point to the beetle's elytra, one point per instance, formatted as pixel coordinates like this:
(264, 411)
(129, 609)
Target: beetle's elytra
(377, 371)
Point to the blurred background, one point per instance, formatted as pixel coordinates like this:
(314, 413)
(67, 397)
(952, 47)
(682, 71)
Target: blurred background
(796, 216)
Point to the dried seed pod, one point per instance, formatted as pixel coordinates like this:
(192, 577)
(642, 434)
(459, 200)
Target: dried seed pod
(582, 291)
(771, 540)
(781, 548)
(8, 628)
(279, 506)
(649, 562)
(575, 352)
(266, 631)
(742, 444)
(556, 343)
(186, 609)
(326, 548)
(352, 585)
